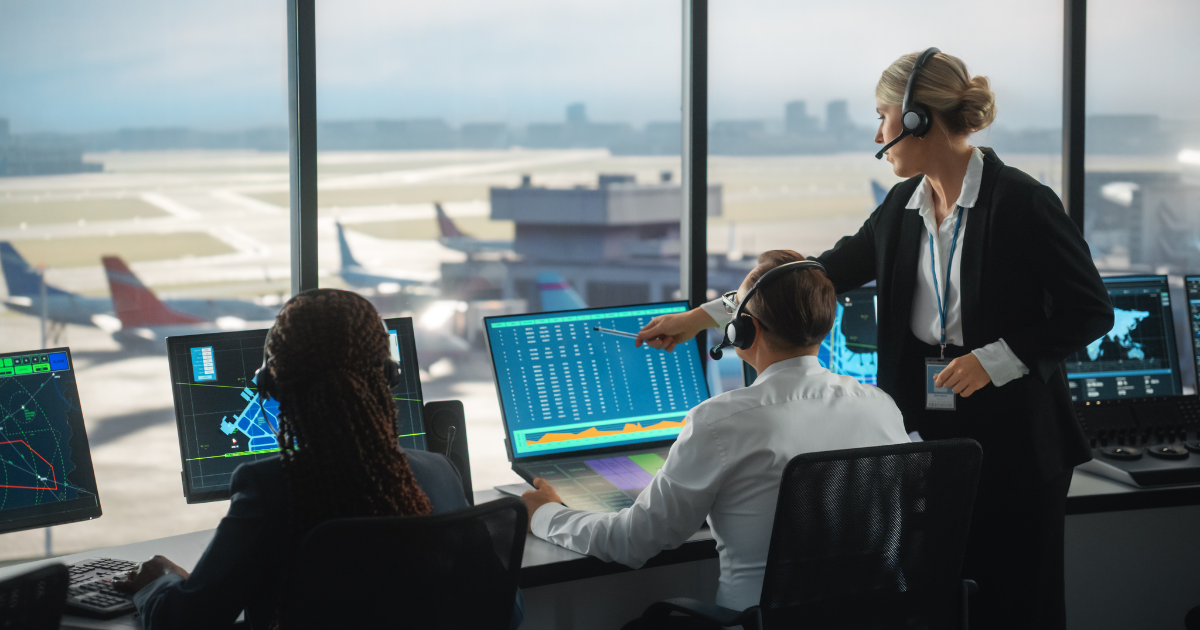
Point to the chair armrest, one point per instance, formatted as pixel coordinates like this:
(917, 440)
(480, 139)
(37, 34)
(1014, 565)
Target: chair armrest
(725, 617)
(970, 586)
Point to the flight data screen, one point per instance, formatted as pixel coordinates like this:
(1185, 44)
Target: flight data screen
(1137, 357)
(1192, 283)
(46, 475)
(574, 379)
(222, 423)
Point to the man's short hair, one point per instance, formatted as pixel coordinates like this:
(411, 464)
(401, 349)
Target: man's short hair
(797, 308)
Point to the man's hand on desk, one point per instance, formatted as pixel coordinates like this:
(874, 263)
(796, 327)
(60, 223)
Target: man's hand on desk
(534, 499)
(146, 573)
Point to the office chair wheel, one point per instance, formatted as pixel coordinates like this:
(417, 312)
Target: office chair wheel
(1121, 452)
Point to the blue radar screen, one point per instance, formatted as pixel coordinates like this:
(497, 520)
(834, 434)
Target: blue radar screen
(1137, 358)
(224, 421)
(46, 475)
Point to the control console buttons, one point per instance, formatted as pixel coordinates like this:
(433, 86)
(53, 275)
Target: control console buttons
(1121, 452)
(1168, 451)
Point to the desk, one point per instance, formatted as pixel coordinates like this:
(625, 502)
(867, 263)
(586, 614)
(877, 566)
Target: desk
(1156, 532)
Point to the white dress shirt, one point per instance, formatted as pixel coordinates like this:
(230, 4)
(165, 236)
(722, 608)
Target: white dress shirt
(997, 359)
(727, 465)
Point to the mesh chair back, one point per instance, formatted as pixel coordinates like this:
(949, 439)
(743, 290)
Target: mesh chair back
(34, 600)
(872, 537)
(456, 570)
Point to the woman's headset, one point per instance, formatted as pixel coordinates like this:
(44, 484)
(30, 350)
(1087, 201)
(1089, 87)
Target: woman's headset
(264, 378)
(916, 118)
(739, 332)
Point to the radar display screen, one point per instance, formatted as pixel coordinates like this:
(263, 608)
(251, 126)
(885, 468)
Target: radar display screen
(46, 475)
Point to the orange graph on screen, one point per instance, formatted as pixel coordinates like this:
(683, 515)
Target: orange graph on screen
(592, 432)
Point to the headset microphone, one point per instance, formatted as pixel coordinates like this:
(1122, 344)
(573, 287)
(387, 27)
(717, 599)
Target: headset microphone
(903, 134)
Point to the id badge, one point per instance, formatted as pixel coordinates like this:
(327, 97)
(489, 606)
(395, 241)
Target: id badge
(937, 398)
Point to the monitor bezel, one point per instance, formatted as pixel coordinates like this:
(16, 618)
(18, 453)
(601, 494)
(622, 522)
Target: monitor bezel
(78, 438)
(1192, 346)
(208, 496)
(618, 448)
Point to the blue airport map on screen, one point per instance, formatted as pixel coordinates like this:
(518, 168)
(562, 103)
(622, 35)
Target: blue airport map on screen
(574, 379)
(851, 348)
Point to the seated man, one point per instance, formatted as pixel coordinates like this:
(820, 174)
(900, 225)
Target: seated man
(728, 461)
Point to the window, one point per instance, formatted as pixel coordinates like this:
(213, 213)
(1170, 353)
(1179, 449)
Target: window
(481, 158)
(1142, 151)
(141, 132)
(792, 112)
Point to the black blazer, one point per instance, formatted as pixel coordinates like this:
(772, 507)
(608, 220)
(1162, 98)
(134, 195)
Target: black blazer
(243, 567)
(1027, 276)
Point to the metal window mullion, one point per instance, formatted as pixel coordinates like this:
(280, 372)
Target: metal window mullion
(1074, 106)
(302, 142)
(693, 228)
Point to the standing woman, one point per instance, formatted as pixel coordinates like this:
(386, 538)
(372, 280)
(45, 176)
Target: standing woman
(978, 263)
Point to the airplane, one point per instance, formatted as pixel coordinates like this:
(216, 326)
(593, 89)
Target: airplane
(356, 275)
(454, 238)
(62, 307)
(148, 321)
(556, 294)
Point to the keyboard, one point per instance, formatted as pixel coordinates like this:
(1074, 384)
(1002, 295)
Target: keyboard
(1144, 442)
(599, 484)
(91, 593)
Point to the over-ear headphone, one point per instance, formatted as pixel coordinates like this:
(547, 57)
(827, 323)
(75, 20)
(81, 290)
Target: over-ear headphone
(915, 118)
(264, 378)
(739, 332)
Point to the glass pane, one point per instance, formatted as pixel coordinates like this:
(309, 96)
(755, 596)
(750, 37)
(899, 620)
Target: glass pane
(792, 116)
(144, 133)
(1142, 185)
(482, 158)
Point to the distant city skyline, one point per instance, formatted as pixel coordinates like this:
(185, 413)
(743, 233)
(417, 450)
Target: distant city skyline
(76, 66)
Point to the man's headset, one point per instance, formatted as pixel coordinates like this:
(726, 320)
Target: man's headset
(264, 377)
(739, 332)
(916, 118)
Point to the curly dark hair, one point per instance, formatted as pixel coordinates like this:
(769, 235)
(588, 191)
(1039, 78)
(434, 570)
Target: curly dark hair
(337, 422)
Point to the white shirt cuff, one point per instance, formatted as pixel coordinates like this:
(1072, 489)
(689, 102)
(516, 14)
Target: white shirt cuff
(716, 310)
(540, 524)
(1000, 363)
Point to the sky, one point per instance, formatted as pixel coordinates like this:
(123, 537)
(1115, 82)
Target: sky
(84, 65)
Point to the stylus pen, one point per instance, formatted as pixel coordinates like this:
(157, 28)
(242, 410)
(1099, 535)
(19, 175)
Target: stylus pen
(619, 333)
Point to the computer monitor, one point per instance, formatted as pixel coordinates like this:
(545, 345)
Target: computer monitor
(46, 465)
(574, 381)
(851, 347)
(1138, 357)
(1192, 286)
(219, 417)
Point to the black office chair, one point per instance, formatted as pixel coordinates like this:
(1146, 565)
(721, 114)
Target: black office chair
(34, 600)
(456, 570)
(864, 538)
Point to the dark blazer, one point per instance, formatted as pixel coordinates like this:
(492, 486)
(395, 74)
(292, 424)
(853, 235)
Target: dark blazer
(1027, 277)
(243, 567)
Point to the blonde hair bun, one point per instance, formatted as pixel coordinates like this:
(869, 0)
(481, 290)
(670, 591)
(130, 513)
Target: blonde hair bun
(962, 103)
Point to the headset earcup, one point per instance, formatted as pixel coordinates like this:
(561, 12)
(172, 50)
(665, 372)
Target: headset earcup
(265, 382)
(924, 119)
(746, 332)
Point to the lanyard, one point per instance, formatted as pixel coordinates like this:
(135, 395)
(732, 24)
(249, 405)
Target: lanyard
(943, 306)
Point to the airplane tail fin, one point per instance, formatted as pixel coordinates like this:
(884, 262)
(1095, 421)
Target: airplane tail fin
(347, 256)
(556, 294)
(879, 192)
(136, 305)
(20, 276)
(445, 225)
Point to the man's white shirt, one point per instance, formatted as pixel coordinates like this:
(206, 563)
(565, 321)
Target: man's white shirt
(726, 466)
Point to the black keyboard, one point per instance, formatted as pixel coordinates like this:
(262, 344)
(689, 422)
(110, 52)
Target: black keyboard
(1143, 441)
(91, 593)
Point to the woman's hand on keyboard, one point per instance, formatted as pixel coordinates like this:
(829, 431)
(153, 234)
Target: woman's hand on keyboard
(146, 573)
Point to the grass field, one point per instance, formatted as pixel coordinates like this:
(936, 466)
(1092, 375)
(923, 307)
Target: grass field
(13, 213)
(87, 250)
